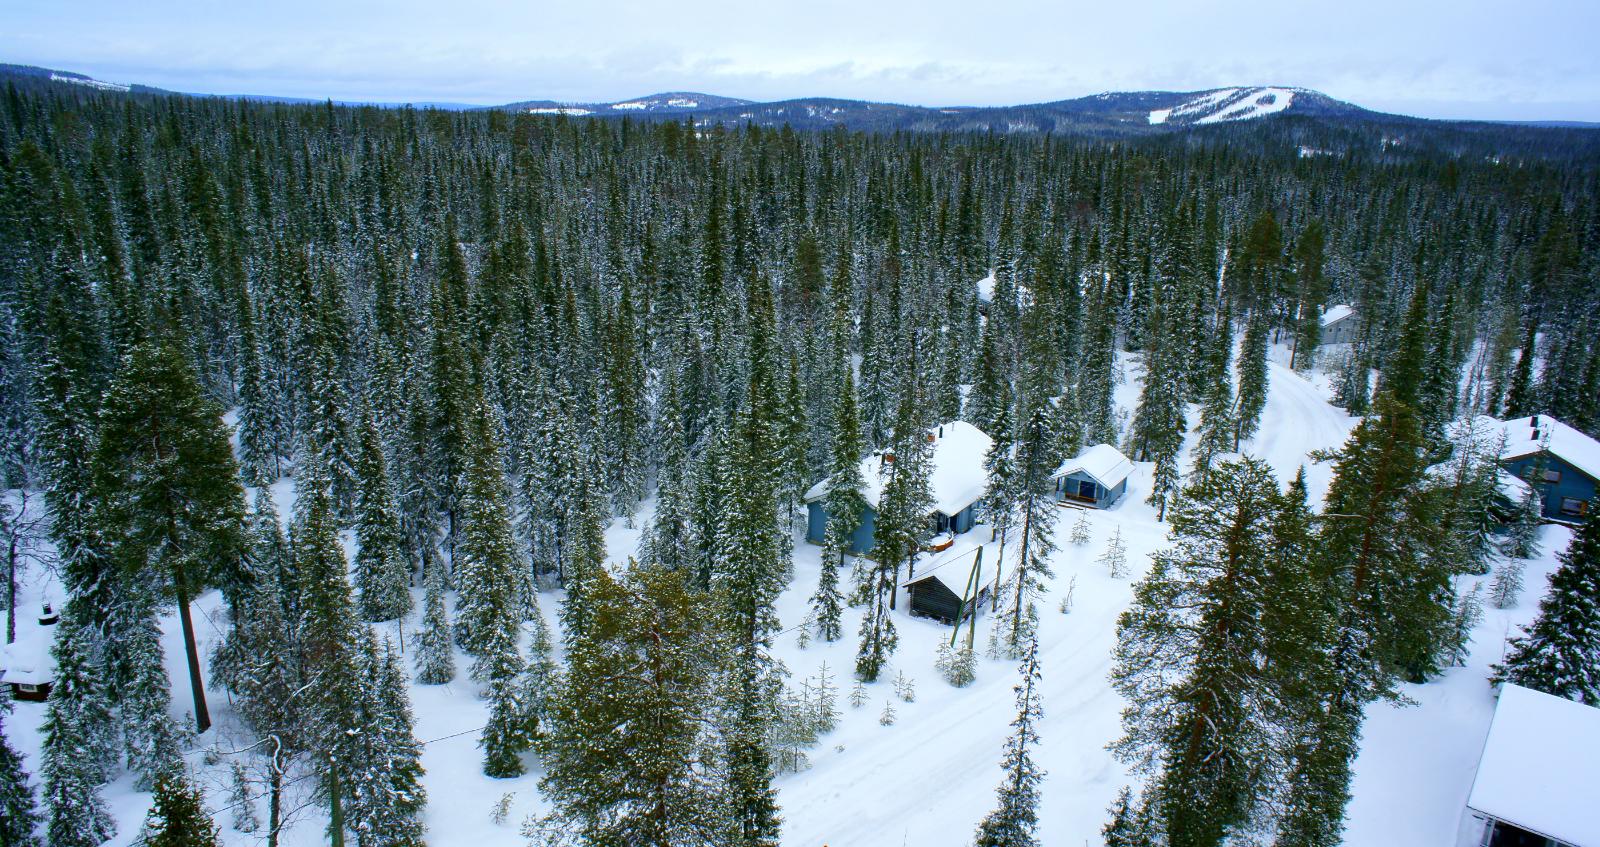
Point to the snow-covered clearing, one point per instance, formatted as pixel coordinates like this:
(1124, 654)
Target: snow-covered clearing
(927, 779)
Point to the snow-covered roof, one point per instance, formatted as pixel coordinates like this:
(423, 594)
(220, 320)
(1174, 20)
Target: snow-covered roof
(954, 571)
(956, 476)
(1104, 463)
(1336, 314)
(1540, 766)
(27, 661)
(1530, 435)
(986, 289)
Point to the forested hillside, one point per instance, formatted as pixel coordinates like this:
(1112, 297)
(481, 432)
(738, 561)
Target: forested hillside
(471, 342)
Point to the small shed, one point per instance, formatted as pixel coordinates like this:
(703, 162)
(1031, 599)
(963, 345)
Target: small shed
(951, 588)
(1560, 462)
(1537, 777)
(1339, 325)
(956, 480)
(1098, 477)
(30, 669)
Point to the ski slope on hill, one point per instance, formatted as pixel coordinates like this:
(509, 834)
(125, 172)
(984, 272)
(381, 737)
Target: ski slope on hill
(928, 778)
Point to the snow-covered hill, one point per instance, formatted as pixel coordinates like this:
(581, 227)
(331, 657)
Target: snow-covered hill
(927, 779)
(671, 102)
(1226, 104)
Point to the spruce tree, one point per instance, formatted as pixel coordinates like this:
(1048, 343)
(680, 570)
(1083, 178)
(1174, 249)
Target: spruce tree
(386, 793)
(18, 819)
(1188, 659)
(1015, 626)
(629, 758)
(382, 572)
(1015, 819)
(436, 658)
(1559, 653)
(76, 750)
(1252, 380)
(178, 818)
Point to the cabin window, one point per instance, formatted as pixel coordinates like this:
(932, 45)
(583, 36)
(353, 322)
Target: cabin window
(1552, 476)
(1574, 506)
(1086, 490)
(27, 688)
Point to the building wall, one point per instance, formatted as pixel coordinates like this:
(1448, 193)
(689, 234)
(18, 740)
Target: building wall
(1573, 483)
(1342, 331)
(1104, 498)
(817, 527)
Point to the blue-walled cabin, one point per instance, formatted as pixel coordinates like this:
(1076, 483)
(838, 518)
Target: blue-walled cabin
(956, 481)
(1097, 477)
(1561, 463)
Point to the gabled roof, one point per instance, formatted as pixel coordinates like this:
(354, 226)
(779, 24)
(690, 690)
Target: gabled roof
(956, 476)
(1540, 766)
(1102, 463)
(1539, 433)
(954, 571)
(27, 661)
(1336, 314)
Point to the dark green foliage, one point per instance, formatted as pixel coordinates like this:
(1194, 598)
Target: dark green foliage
(178, 817)
(18, 819)
(1016, 817)
(1560, 651)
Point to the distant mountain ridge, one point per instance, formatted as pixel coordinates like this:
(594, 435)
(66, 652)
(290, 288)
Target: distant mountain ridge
(1126, 113)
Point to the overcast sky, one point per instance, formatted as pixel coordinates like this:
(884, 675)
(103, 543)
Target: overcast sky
(1512, 59)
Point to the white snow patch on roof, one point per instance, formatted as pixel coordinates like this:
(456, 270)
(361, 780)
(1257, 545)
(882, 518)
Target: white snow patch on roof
(986, 289)
(954, 571)
(956, 476)
(1336, 314)
(1540, 766)
(1526, 436)
(27, 661)
(1104, 463)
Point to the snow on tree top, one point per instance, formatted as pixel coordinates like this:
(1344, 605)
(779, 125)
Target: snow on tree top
(1540, 766)
(956, 477)
(1102, 461)
(1538, 433)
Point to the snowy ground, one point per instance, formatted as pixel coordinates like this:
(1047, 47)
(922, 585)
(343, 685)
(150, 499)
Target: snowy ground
(927, 779)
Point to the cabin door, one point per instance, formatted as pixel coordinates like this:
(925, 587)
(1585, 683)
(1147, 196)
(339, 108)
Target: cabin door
(1086, 490)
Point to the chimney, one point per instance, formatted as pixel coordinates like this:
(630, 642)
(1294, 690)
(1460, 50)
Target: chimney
(48, 617)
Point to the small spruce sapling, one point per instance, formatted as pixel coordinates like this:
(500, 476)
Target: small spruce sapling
(905, 687)
(242, 799)
(1115, 558)
(886, 717)
(858, 695)
(1506, 585)
(1080, 530)
(501, 809)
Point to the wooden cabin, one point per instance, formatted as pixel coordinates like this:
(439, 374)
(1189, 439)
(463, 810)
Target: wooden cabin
(1535, 785)
(30, 669)
(956, 480)
(1561, 463)
(1098, 477)
(1339, 325)
(951, 588)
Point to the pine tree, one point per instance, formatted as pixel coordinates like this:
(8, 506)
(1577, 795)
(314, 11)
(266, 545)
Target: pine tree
(1115, 557)
(827, 604)
(1015, 819)
(1252, 380)
(382, 572)
(629, 758)
(167, 490)
(1016, 625)
(1187, 658)
(1559, 653)
(178, 818)
(18, 819)
(843, 504)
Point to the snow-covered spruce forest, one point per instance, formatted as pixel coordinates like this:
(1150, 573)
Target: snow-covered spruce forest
(406, 477)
